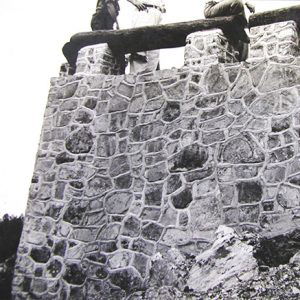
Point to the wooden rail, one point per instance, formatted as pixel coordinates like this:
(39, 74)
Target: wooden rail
(170, 35)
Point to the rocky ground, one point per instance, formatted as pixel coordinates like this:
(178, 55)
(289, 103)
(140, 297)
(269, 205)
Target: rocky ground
(232, 268)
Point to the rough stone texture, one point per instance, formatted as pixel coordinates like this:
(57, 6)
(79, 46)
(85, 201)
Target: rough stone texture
(278, 39)
(98, 59)
(221, 264)
(134, 173)
(211, 46)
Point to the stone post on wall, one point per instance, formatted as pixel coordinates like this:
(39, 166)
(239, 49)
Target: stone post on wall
(207, 47)
(97, 59)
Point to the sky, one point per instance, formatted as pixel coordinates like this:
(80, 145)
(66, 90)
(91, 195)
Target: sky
(32, 35)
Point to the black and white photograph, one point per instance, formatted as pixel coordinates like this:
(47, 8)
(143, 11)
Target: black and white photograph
(150, 150)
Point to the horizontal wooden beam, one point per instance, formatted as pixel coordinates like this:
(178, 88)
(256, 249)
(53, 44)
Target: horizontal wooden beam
(170, 35)
(275, 16)
(148, 37)
(151, 37)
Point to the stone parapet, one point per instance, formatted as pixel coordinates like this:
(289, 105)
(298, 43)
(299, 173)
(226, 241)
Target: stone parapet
(277, 39)
(99, 59)
(209, 47)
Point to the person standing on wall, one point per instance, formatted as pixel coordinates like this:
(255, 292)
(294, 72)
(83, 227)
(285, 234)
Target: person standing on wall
(107, 12)
(147, 14)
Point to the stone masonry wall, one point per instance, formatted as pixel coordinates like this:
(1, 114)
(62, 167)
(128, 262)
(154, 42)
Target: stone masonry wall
(131, 165)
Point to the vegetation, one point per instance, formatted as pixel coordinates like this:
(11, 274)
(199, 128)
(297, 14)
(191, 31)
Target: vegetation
(10, 233)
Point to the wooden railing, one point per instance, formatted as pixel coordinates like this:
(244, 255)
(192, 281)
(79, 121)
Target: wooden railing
(170, 35)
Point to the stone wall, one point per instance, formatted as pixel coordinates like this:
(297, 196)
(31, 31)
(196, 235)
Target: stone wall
(130, 166)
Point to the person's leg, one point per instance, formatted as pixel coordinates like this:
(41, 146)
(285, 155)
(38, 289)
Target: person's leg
(244, 51)
(152, 60)
(224, 8)
(138, 62)
(145, 61)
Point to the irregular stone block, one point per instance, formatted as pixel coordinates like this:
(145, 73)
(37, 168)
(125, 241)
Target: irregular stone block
(249, 213)
(280, 124)
(110, 232)
(230, 215)
(241, 149)
(189, 158)
(152, 231)
(75, 212)
(275, 174)
(215, 80)
(155, 146)
(156, 173)
(67, 91)
(210, 101)
(174, 236)
(118, 202)
(206, 213)
(151, 213)
(117, 121)
(212, 113)
(131, 226)
(74, 274)
(183, 199)
(84, 116)
(279, 76)
(147, 131)
(40, 255)
(64, 157)
(220, 123)
(288, 197)
(143, 246)
(249, 192)
(120, 260)
(241, 86)
(117, 103)
(282, 154)
(60, 248)
(123, 181)
(119, 165)
(126, 279)
(153, 194)
(176, 91)
(85, 235)
(140, 262)
(174, 183)
(152, 90)
(106, 145)
(171, 111)
(80, 141)
(98, 185)
(126, 90)
(54, 268)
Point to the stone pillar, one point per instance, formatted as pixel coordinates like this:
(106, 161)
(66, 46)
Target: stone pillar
(208, 47)
(99, 59)
(277, 39)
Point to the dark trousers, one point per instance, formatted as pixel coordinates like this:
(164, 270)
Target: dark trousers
(224, 8)
(102, 20)
(228, 8)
